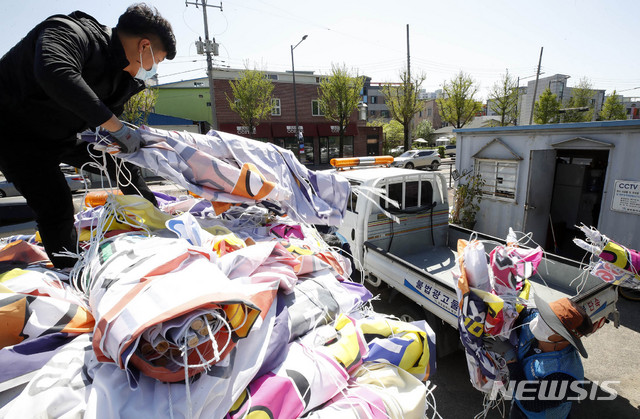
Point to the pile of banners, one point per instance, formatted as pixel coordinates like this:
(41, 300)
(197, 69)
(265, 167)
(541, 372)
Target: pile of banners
(491, 297)
(193, 310)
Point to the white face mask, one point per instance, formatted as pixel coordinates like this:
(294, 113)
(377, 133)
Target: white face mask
(143, 74)
(541, 330)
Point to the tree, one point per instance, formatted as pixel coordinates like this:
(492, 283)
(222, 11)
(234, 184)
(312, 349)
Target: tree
(252, 98)
(546, 108)
(424, 130)
(581, 96)
(403, 102)
(393, 134)
(503, 100)
(613, 109)
(458, 105)
(139, 106)
(339, 96)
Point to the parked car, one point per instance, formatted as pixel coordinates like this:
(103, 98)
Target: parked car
(75, 181)
(397, 150)
(418, 158)
(450, 150)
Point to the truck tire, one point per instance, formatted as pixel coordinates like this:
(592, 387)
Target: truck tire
(409, 312)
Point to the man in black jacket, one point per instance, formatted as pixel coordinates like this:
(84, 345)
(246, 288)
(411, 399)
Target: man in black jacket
(68, 74)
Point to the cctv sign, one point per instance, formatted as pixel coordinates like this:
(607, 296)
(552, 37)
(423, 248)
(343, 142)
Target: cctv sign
(626, 197)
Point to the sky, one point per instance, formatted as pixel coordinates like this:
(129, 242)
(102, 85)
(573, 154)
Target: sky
(593, 39)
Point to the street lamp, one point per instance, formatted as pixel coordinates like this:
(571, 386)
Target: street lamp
(295, 99)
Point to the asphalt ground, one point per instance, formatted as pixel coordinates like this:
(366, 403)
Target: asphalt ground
(614, 355)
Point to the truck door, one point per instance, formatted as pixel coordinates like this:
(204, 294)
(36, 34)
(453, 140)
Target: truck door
(542, 166)
(348, 229)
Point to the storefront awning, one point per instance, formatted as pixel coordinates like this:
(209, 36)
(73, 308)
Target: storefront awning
(261, 131)
(333, 130)
(289, 130)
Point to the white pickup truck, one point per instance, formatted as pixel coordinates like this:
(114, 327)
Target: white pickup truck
(410, 261)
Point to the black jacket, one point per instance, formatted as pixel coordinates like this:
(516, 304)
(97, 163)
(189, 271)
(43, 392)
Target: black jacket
(63, 77)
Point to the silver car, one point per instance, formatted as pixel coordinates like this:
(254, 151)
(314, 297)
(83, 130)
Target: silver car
(418, 158)
(76, 183)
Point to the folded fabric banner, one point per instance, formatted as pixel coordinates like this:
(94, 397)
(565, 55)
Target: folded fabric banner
(172, 321)
(227, 168)
(305, 380)
(24, 317)
(410, 346)
(617, 264)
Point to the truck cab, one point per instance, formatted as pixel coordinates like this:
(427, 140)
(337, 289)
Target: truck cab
(419, 195)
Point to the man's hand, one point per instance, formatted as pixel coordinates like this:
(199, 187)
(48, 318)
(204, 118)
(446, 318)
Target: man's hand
(128, 139)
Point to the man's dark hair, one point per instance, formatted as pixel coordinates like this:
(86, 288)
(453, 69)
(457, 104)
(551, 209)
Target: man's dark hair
(142, 20)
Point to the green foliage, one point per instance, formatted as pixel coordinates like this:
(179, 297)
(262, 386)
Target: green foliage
(393, 134)
(339, 95)
(466, 200)
(581, 96)
(378, 122)
(252, 98)
(458, 105)
(441, 151)
(503, 100)
(613, 108)
(423, 130)
(139, 106)
(546, 108)
(403, 102)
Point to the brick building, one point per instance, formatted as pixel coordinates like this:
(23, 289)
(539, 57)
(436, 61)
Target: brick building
(190, 99)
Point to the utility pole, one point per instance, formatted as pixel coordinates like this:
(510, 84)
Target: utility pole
(408, 56)
(517, 100)
(208, 48)
(299, 135)
(407, 94)
(535, 88)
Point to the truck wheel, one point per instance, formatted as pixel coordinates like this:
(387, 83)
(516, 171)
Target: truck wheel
(409, 166)
(409, 312)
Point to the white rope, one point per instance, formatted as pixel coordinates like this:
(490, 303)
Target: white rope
(430, 395)
(186, 382)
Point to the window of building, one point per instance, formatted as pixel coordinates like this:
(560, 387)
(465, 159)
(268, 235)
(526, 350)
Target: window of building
(373, 113)
(420, 116)
(272, 76)
(275, 107)
(384, 114)
(309, 153)
(348, 146)
(500, 177)
(429, 112)
(316, 109)
(373, 99)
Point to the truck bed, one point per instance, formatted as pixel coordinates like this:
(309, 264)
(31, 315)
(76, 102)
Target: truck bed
(427, 280)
